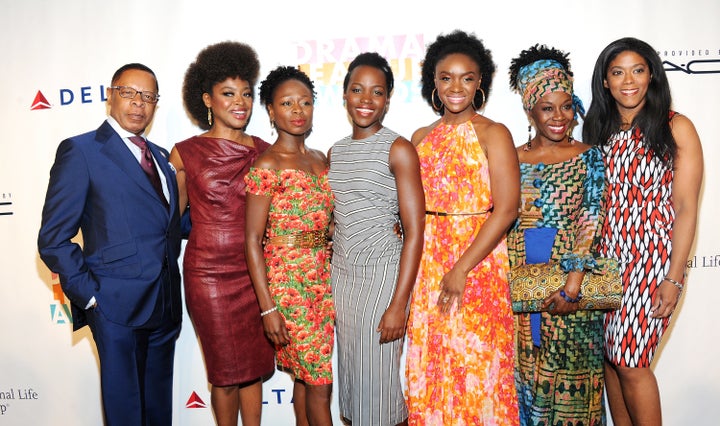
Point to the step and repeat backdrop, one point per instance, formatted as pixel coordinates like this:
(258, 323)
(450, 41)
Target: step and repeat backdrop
(58, 58)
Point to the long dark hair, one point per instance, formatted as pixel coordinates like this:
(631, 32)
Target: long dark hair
(653, 120)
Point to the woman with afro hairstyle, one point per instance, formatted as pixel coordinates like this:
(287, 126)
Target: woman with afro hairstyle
(218, 95)
(559, 364)
(288, 216)
(653, 168)
(460, 331)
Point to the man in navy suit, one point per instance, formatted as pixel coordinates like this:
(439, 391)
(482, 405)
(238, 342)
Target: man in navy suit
(123, 280)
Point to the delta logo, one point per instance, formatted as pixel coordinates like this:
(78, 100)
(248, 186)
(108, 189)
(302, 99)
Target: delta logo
(59, 309)
(40, 102)
(325, 62)
(66, 97)
(195, 401)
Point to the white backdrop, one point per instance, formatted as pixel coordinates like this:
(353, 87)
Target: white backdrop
(59, 56)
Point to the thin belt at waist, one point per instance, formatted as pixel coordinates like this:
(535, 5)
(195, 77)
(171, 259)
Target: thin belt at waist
(432, 213)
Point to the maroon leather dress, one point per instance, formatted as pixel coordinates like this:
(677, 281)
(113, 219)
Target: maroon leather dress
(218, 291)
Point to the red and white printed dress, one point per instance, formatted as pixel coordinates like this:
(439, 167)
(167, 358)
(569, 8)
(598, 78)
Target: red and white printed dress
(637, 232)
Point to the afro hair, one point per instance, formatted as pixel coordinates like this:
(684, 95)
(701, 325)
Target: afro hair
(534, 54)
(457, 42)
(278, 76)
(215, 64)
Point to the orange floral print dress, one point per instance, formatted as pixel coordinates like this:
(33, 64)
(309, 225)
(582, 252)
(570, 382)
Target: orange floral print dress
(459, 365)
(299, 278)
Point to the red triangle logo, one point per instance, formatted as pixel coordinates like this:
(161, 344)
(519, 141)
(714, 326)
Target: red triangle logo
(195, 402)
(40, 102)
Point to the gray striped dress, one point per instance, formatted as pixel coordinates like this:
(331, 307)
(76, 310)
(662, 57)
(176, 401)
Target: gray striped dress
(365, 262)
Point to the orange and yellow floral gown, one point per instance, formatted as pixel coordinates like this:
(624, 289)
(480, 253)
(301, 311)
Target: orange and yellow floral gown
(459, 365)
(299, 277)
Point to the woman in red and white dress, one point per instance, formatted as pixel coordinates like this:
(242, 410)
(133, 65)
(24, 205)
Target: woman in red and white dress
(653, 169)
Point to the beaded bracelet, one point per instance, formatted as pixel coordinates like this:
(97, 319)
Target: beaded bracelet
(675, 283)
(269, 311)
(569, 299)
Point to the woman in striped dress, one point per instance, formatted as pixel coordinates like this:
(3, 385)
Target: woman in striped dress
(375, 179)
(653, 169)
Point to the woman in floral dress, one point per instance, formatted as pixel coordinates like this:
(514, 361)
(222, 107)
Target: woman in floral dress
(460, 330)
(289, 207)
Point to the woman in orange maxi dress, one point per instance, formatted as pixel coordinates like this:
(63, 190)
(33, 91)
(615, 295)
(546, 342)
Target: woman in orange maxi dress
(460, 349)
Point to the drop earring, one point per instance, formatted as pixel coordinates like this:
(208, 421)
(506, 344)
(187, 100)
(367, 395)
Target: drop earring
(528, 145)
(210, 117)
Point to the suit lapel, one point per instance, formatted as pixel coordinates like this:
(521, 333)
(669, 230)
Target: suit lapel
(164, 168)
(116, 150)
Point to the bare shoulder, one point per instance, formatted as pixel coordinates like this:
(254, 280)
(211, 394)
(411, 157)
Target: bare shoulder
(267, 160)
(318, 154)
(318, 160)
(420, 133)
(683, 130)
(491, 132)
(176, 159)
(579, 147)
(402, 150)
(400, 143)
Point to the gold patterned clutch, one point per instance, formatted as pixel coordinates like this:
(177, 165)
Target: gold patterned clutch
(530, 284)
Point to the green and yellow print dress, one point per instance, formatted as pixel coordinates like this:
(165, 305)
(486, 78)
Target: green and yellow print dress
(561, 381)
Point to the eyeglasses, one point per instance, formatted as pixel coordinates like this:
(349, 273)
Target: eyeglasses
(130, 93)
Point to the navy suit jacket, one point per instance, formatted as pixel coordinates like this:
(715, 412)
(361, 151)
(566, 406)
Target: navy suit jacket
(128, 234)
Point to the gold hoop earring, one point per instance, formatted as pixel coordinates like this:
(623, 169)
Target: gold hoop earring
(483, 98)
(210, 120)
(432, 100)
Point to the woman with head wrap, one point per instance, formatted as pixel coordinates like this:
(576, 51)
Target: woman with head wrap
(559, 363)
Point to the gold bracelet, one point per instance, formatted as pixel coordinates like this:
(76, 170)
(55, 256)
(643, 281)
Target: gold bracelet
(269, 311)
(675, 283)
